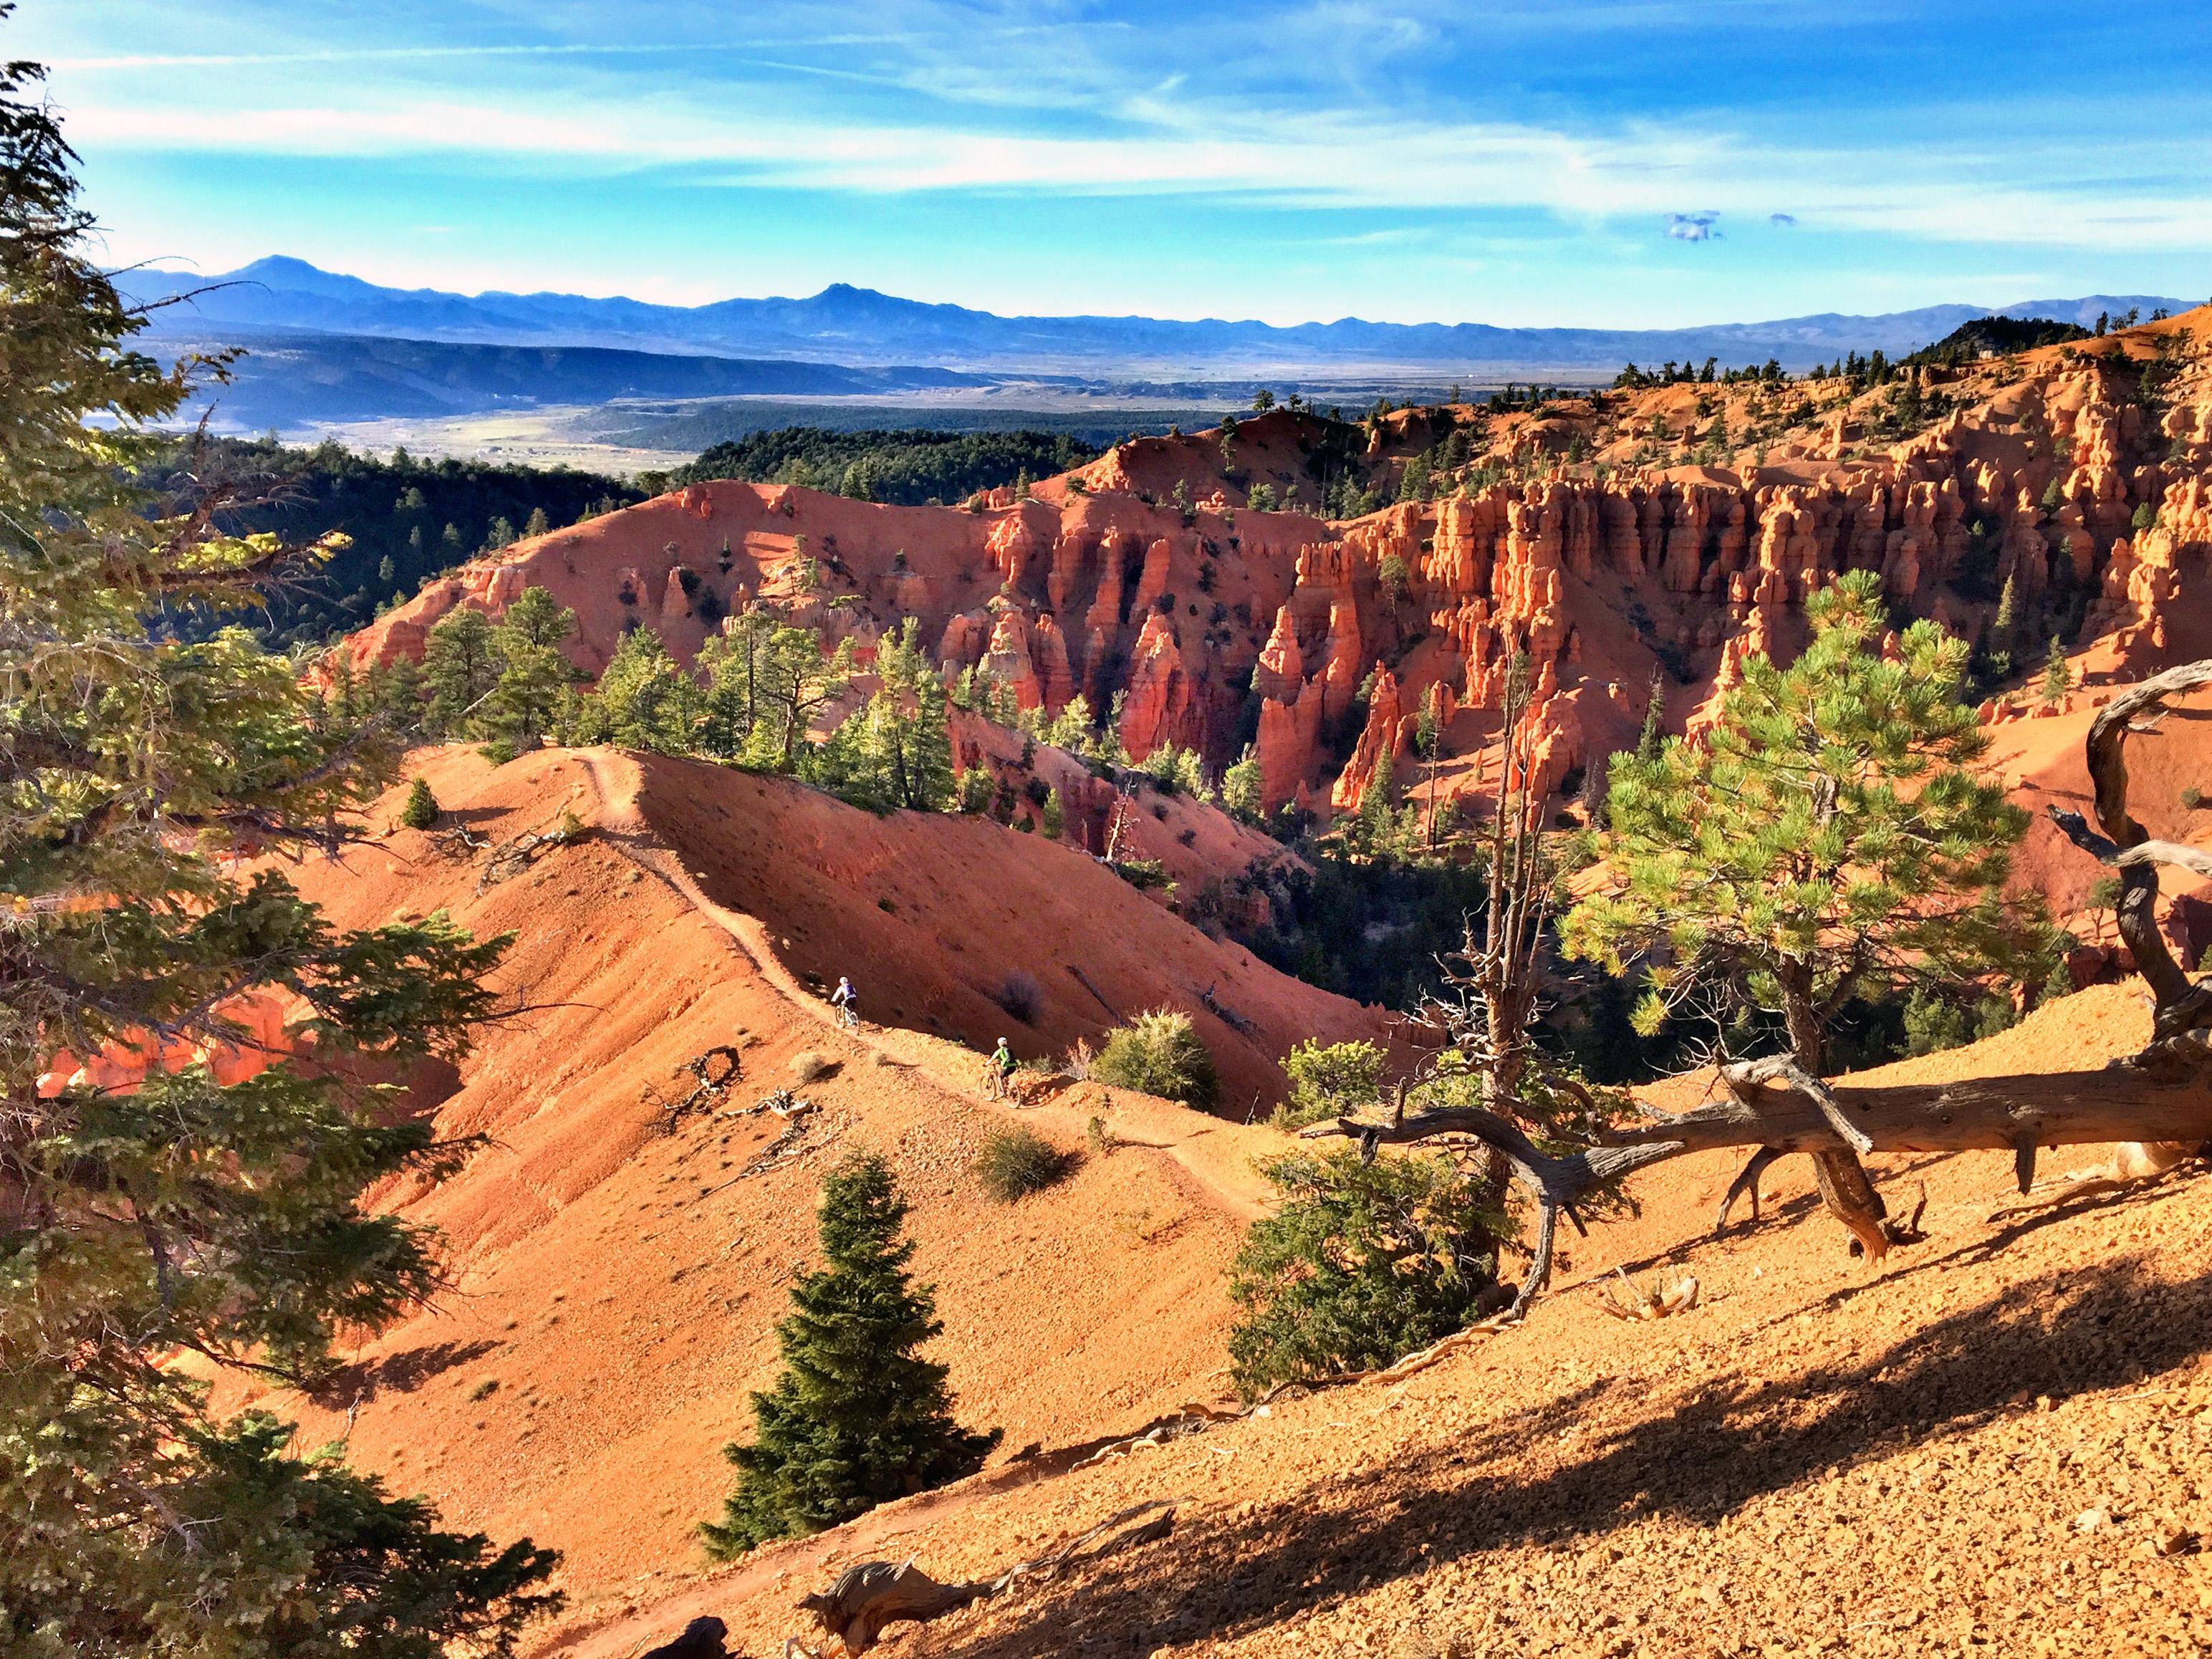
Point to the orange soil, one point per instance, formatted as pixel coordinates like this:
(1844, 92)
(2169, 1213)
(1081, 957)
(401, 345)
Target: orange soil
(615, 1289)
(1975, 1449)
(1821, 1457)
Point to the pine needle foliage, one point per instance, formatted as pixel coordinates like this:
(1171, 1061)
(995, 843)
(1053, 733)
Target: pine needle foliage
(420, 809)
(143, 780)
(1160, 1053)
(1362, 1264)
(858, 1417)
(1828, 837)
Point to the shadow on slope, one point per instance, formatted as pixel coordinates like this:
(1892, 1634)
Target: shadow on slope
(1740, 1438)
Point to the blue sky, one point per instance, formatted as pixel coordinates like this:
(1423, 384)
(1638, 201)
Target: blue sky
(1603, 162)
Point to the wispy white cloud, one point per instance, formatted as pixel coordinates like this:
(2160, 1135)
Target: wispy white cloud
(1329, 159)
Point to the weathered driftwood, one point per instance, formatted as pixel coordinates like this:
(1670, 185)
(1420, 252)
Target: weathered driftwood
(712, 1073)
(866, 1598)
(870, 1596)
(511, 857)
(2133, 1165)
(2158, 1095)
(1661, 1301)
(2161, 1097)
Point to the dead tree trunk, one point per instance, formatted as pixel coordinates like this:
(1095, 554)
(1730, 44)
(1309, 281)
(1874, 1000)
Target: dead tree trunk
(2163, 1094)
(1518, 900)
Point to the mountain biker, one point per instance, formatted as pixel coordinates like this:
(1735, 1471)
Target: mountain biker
(999, 1067)
(846, 1001)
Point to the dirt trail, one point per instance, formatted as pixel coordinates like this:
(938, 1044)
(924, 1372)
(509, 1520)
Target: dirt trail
(1218, 1154)
(1979, 1449)
(616, 1282)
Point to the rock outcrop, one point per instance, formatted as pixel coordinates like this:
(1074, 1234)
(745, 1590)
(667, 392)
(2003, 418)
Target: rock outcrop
(1210, 620)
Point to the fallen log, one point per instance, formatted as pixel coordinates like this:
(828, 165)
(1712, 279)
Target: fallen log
(2158, 1094)
(2160, 1100)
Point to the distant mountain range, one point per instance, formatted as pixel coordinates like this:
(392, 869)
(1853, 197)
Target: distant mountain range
(289, 379)
(858, 327)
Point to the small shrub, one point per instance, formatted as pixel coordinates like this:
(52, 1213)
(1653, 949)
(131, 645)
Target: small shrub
(1142, 873)
(806, 1064)
(1159, 1052)
(1333, 1081)
(1015, 1163)
(485, 1389)
(1096, 1138)
(1362, 1265)
(1082, 1059)
(887, 907)
(1932, 1024)
(421, 809)
(1020, 995)
(2192, 798)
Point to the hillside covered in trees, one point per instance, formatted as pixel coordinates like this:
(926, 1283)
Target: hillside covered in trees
(915, 467)
(404, 520)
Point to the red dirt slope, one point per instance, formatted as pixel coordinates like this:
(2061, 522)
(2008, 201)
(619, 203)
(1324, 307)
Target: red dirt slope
(931, 915)
(1982, 1449)
(614, 1288)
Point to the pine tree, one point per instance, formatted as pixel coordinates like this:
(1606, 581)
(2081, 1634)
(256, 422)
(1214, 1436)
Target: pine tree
(1655, 718)
(341, 708)
(646, 698)
(420, 809)
(932, 765)
(535, 672)
(2006, 624)
(460, 666)
(767, 681)
(537, 525)
(2057, 674)
(186, 1217)
(1828, 838)
(858, 1417)
(906, 737)
(1053, 815)
(1240, 785)
(399, 698)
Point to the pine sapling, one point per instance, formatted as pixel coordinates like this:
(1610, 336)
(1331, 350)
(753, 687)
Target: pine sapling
(858, 1417)
(420, 809)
